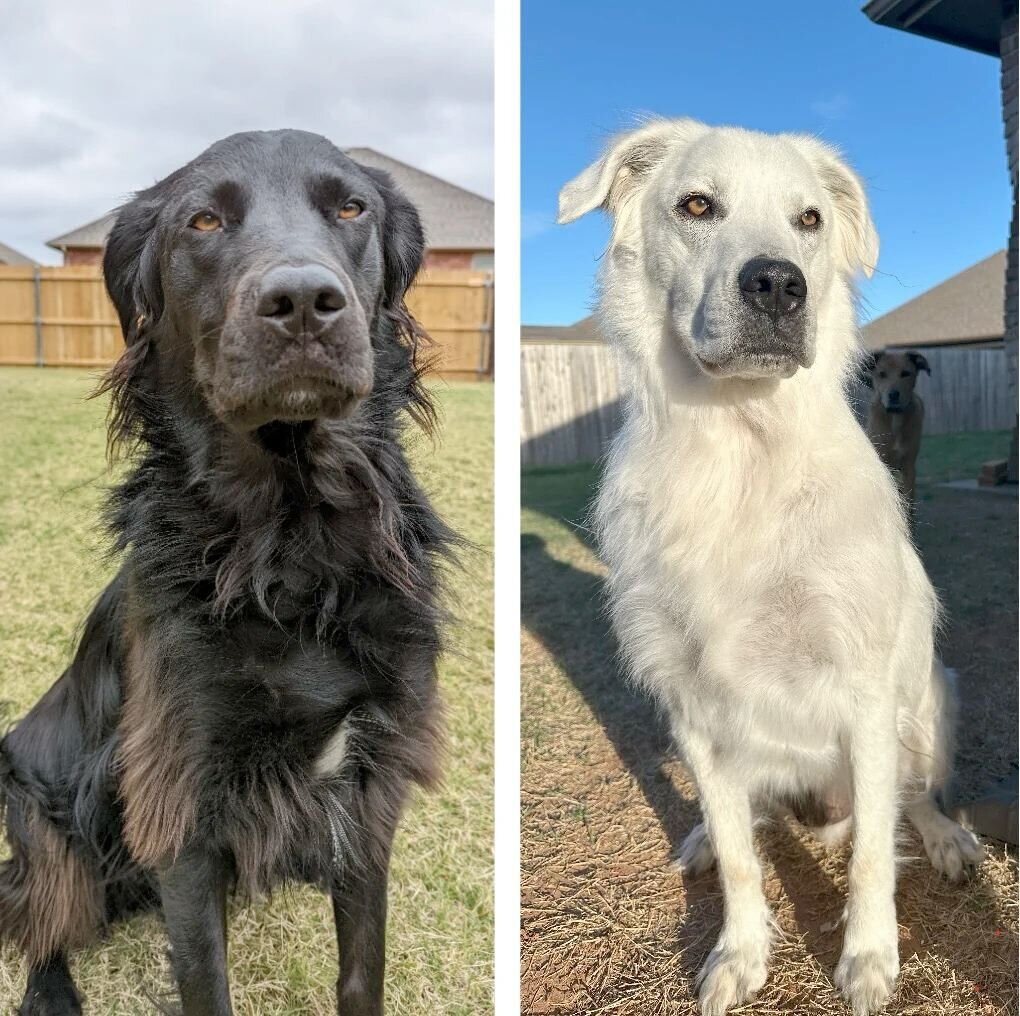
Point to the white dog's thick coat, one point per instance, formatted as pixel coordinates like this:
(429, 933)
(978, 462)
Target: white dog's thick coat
(762, 582)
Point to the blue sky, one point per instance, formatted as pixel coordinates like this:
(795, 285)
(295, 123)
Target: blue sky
(920, 121)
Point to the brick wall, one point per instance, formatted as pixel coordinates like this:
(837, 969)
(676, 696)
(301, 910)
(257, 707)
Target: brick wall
(455, 259)
(83, 256)
(1008, 53)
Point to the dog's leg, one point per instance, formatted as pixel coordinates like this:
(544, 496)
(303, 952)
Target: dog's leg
(737, 965)
(870, 962)
(952, 850)
(359, 908)
(194, 895)
(50, 990)
(926, 764)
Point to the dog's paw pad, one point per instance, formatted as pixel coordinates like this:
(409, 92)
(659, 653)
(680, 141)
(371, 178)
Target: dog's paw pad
(954, 851)
(697, 854)
(729, 977)
(866, 980)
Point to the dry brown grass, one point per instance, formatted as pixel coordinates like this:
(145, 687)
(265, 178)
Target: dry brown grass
(609, 926)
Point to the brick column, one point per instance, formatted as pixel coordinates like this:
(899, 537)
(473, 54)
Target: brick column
(1008, 53)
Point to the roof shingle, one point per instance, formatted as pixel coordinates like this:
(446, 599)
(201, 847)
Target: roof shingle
(967, 307)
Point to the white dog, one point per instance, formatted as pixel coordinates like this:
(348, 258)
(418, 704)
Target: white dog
(762, 582)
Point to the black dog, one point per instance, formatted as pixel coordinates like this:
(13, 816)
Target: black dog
(255, 690)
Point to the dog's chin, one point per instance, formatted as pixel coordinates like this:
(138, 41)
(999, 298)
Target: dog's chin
(296, 401)
(752, 351)
(752, 366)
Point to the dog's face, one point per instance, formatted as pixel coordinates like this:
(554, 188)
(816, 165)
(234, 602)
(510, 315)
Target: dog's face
(740, 233)
(893, 377)
(257, 271)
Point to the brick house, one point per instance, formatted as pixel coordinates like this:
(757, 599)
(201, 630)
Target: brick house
(986, 26)
(458, 223)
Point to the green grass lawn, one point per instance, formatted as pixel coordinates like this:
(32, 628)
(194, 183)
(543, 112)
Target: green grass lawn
(282, 951)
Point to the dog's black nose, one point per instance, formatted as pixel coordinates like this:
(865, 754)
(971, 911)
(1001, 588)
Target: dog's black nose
(773, 287)
(893, 396)
(300, 298)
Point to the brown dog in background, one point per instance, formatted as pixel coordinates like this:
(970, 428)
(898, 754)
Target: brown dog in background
(896, 414)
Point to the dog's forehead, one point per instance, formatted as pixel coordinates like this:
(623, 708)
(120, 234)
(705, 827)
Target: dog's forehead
(274, 158)
(737, 160)
(892, 361)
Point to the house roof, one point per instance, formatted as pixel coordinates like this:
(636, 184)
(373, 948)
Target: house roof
(972, 24)
(92, 234)
(585, 330)
(454, 218)
(9, 256)
(966, 308)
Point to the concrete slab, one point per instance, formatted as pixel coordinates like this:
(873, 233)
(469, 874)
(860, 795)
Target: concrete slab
(1002, 489)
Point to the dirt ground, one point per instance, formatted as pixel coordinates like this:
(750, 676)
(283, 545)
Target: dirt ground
(609, 926)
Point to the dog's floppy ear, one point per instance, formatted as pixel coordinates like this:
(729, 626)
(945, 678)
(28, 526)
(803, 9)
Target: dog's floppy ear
(131, 266)
(627, 158)
(919, 362)
(403, 255)
(131, 271)
(403, 239)
(857, 239)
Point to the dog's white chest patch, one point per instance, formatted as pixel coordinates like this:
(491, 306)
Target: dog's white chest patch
(334, 753)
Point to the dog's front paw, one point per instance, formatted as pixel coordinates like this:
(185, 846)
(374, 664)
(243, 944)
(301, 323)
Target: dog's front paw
(697, 854)
(953, 850)
(866, 978)
(41, 1004)
(730, 976)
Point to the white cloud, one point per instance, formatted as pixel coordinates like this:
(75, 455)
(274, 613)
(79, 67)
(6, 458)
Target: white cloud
(535, 224)
(832, 107)
(104, 98)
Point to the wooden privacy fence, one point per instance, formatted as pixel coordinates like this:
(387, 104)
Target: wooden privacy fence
(62, 317)
(570, 402)
(570, 397)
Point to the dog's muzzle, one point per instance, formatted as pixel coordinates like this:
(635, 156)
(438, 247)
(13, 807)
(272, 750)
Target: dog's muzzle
(893, 402)
(771, 341)
(775, 289)
(300, 299)
(300, 350)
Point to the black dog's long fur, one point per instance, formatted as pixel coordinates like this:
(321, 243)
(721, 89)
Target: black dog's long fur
(272, 586)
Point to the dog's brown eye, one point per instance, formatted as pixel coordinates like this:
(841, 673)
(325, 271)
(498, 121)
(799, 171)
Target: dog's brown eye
(350, 210)
(205, 222)
(809, 219)
(697, 205)
(881, 373)
(904, 373)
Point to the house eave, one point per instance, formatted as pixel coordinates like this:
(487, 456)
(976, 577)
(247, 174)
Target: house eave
(909, 16)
